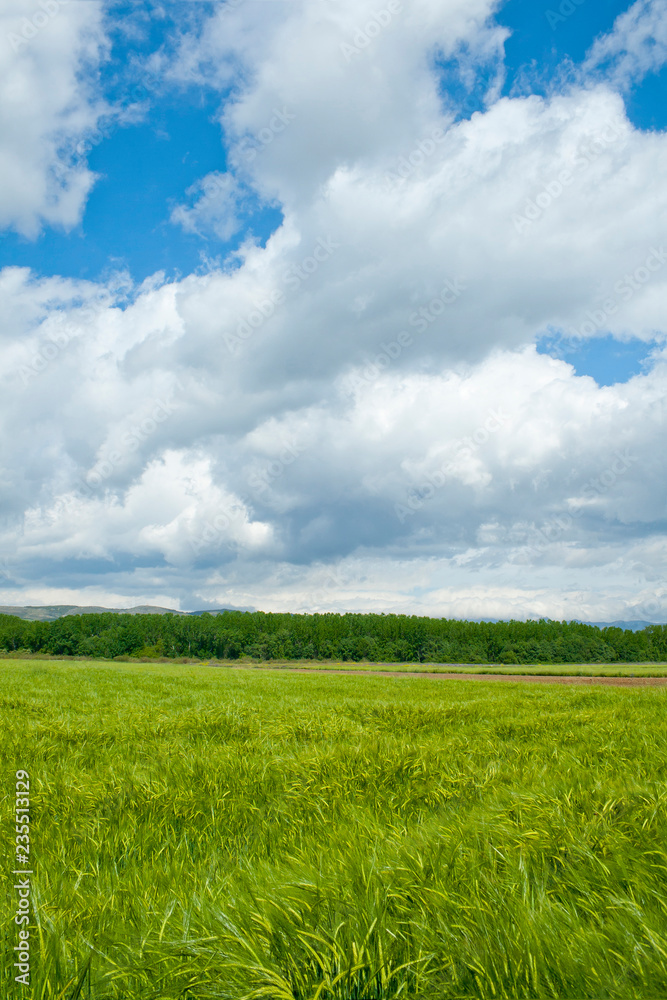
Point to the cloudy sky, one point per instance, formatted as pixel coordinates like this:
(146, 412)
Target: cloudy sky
(335, 305)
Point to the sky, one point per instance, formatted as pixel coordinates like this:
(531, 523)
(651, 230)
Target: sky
(335, 305)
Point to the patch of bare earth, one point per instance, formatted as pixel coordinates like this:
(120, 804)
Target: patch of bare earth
(514, 678)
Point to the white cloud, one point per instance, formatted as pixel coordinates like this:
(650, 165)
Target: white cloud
(173, 509)
(637, 45)
(216, 207)
(509, 469)
(354, 416)
(49, 52)
(347, 78)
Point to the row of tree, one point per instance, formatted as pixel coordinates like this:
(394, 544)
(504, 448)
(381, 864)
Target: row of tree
(378, 638)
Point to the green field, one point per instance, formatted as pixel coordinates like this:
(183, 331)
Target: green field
(200, 832)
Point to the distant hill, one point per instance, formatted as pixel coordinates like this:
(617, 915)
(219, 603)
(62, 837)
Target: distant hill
(49, 612)
(215, 611)
(634, 626)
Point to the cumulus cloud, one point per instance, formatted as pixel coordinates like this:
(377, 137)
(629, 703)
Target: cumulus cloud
(354, 415)
(324, 85)
(48, 59)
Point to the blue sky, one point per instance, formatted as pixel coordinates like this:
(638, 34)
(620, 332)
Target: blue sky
(207, 199)
(143, 170)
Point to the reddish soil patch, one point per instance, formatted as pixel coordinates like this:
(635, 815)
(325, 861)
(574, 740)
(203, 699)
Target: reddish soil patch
(521, 678)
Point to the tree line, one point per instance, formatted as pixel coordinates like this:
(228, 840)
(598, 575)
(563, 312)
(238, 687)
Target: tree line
(354, 637)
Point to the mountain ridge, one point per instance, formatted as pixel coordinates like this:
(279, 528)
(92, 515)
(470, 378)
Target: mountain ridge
(51, 612)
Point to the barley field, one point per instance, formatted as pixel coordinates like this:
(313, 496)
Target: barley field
(198, 832)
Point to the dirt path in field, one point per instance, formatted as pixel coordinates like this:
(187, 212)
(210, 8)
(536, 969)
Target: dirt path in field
(527, 678)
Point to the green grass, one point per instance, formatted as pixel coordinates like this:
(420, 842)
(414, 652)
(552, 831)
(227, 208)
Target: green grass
(212, 833)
